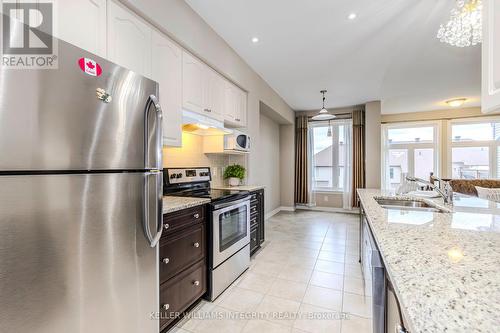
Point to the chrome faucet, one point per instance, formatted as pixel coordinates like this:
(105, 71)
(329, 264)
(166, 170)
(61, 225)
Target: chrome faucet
(447, 194)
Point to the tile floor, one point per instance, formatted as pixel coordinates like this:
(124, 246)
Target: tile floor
(307, 271)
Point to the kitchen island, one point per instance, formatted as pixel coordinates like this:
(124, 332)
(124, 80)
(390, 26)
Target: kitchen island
(444, 267)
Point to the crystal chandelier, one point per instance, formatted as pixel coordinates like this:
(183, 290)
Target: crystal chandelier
(464, 27)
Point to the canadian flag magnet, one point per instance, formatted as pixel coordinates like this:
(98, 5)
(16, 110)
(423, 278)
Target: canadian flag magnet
(90, 66)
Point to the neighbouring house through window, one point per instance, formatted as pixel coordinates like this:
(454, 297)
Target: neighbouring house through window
(409, 149)
(474, 148)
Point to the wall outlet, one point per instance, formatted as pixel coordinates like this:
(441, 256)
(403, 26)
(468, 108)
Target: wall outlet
(325, 198)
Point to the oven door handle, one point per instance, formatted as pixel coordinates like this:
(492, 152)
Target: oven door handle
(231, 203)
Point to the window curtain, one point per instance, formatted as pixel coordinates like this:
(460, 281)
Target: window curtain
(358, 153)
(301, 161)
(348, 170)
(311, 167)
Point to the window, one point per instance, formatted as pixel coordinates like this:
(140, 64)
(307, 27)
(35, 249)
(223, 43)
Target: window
(409, 149)
(328, 150)
(474, 148)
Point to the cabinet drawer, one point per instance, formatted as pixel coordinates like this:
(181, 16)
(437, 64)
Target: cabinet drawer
(181, 250)
(254, 243)
(183, 218)
(179, 293)
(253, 222)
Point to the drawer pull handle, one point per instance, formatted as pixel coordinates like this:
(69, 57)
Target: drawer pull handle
(254, 239)
(196, 216)
(196, 283)
(166, 260)
(196, 244)
(165, 306)
(166, 226)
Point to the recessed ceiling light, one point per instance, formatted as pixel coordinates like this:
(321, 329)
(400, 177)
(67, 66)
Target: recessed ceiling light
(352, 16)
(456, 102)
(255, 40)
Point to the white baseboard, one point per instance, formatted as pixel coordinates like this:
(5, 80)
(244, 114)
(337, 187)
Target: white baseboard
(330, 209)
(277, 210)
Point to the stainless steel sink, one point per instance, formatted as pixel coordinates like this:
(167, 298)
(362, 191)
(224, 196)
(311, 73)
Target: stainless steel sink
(415, 205)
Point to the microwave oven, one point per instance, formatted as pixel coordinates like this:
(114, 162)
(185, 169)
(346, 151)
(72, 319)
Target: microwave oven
(237, 141)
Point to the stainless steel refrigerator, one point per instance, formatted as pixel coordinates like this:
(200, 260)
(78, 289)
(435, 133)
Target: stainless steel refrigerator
(80, 198)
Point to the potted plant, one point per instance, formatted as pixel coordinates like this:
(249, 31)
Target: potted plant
(234, 173)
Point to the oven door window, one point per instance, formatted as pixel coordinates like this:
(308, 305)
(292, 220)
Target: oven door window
(232, 227)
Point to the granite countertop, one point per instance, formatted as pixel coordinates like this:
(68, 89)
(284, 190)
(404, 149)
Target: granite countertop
(172, 204)
(445, 267)
(249, 188)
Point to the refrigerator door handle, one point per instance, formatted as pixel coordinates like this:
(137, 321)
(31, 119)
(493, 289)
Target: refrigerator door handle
(153, 240)
(145, 210)
(159, 208)
(152, 100)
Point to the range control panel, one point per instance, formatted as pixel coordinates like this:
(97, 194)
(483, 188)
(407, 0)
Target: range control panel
(179, 176)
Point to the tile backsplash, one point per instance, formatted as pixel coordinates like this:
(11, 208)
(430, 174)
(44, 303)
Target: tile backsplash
(191, 155)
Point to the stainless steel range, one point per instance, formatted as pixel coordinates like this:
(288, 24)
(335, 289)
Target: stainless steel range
(229, 224)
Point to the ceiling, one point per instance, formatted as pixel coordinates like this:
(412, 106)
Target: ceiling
(388, 53)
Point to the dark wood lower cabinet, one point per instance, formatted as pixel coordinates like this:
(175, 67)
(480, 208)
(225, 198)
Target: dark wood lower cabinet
(257, 232)
(178, 293)
(181, 250)
(183, 265)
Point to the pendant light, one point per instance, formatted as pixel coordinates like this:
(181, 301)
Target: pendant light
(323, 114)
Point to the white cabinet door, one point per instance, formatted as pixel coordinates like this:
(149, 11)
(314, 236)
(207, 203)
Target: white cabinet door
(490, 101)
(129, 40)
(216, 95)
(193, 84)
(236, 105)
(82, 23)
(241, 118)
(231, 102)
(167, 71)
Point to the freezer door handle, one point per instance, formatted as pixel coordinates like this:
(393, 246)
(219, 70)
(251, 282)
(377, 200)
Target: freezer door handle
(153, 101)
(153, 240)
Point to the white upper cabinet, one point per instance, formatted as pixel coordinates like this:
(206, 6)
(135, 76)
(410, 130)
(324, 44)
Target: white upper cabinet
(235, 111)
(202, 88)
(193, 83)
(241, 120)
(230, 99)
(82, 23)
(490, 99)
(129, 40)
(167, 71)
(215, 99)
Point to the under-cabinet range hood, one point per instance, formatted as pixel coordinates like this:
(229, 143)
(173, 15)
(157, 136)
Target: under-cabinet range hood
(195, 123)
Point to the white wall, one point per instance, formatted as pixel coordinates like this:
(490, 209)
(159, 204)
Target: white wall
(269, 158)
(373, 144)
(181, 23)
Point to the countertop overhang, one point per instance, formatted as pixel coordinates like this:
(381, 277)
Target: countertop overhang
(172, 204)
(445, 267)
(249, 188)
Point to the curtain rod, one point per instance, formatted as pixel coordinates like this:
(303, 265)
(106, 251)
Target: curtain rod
(342, 115)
